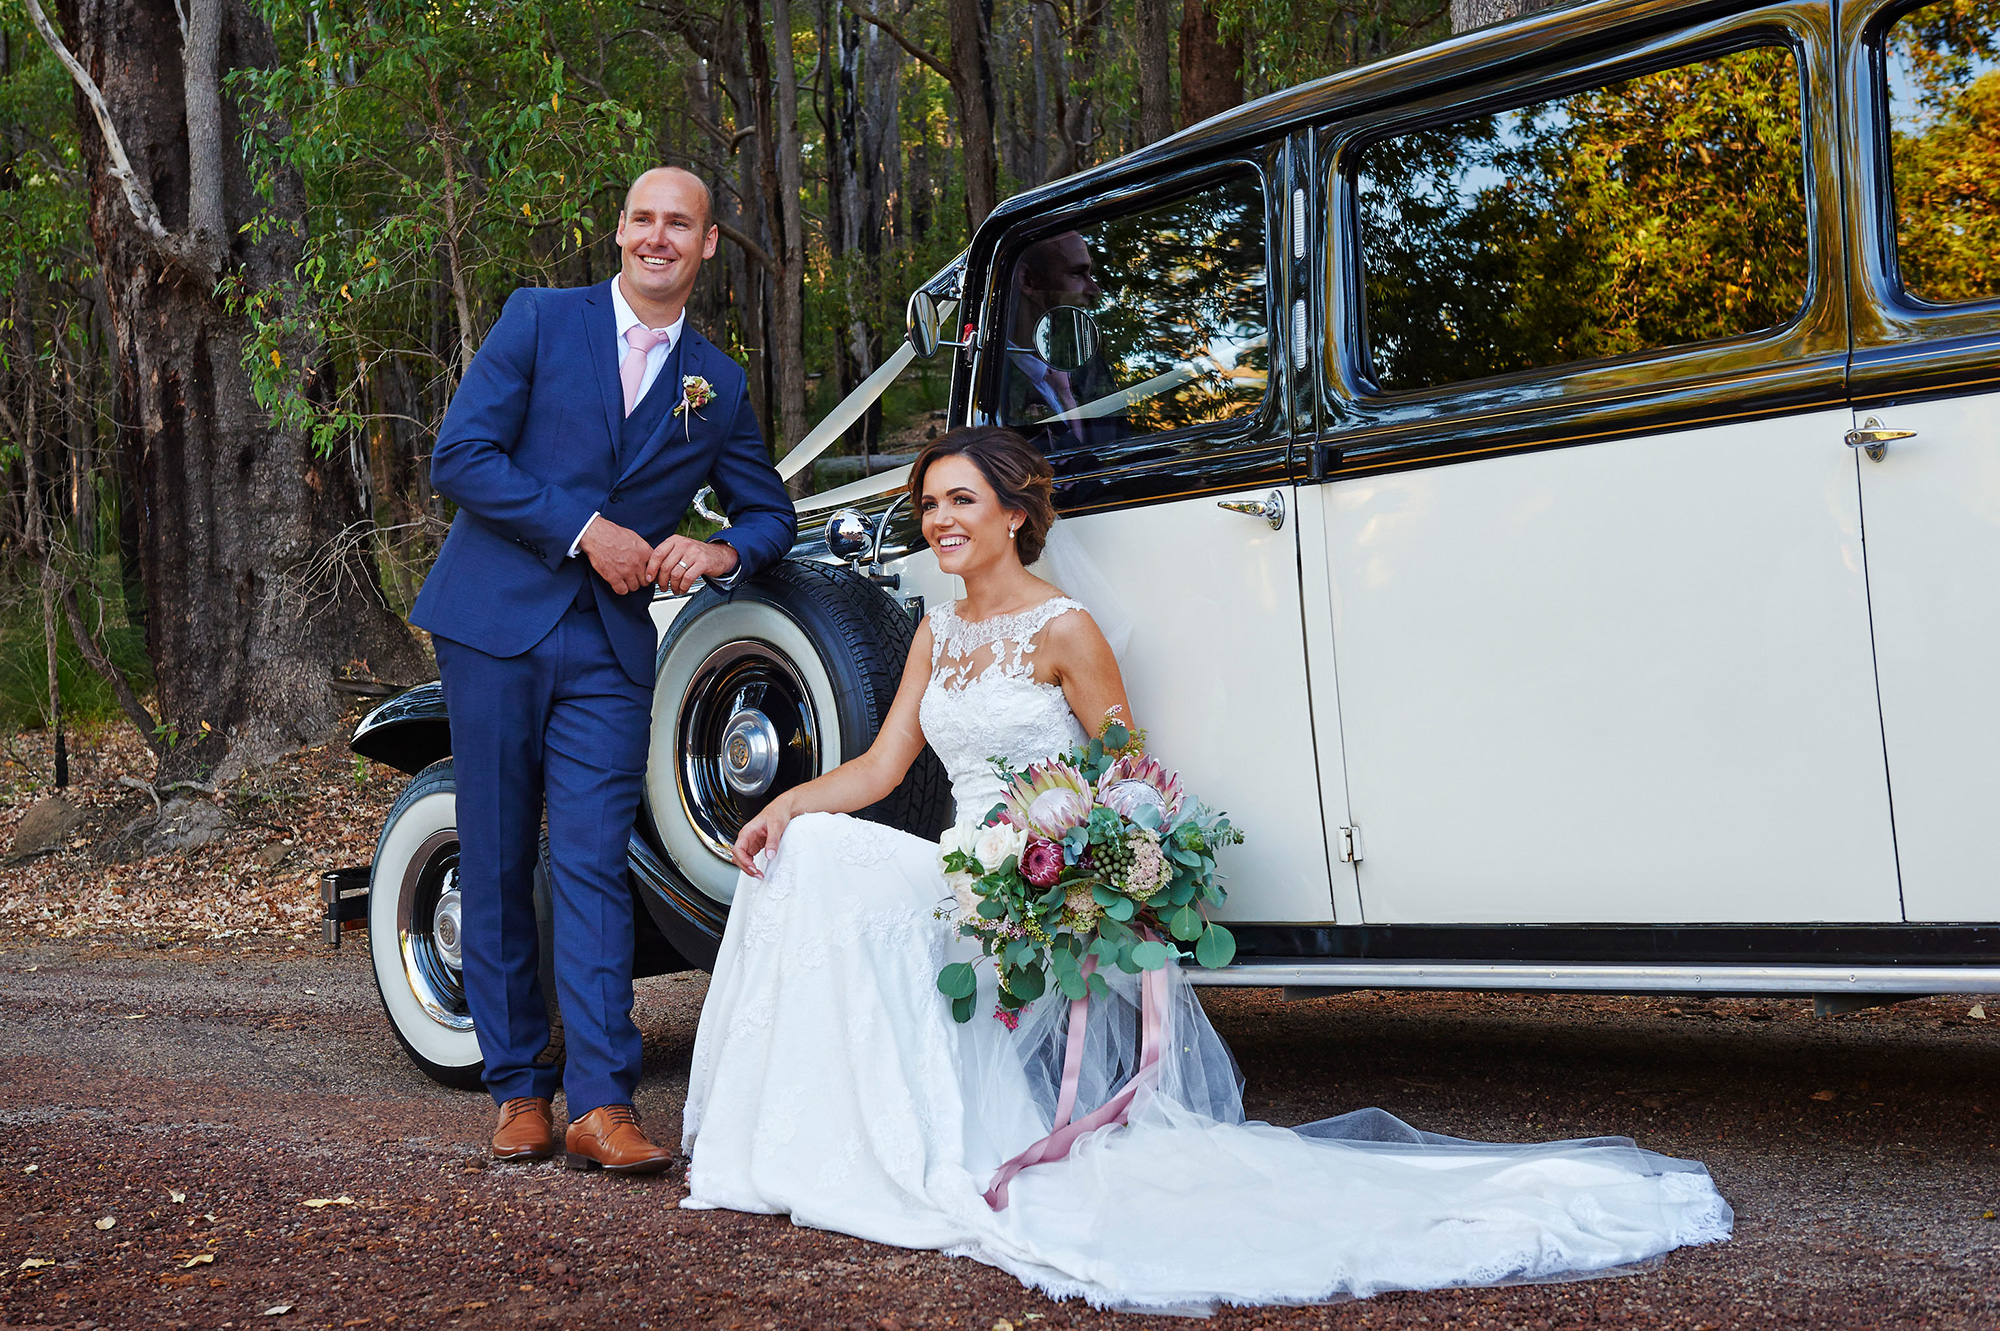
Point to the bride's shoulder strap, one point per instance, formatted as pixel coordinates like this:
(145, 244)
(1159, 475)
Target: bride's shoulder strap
(1034, 621)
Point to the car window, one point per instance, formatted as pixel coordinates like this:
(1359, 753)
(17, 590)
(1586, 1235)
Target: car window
(1942, 70)
(1175, 299)
(1649, 213)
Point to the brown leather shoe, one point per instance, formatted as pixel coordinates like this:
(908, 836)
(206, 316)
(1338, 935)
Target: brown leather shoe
(527, 1130)
(609, 1137)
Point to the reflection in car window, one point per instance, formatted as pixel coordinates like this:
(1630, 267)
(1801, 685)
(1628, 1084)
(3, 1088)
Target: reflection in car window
(1177, 297)
(1943, 75)
(1649, 213)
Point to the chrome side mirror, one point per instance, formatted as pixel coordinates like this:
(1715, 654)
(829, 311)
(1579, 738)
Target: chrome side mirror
(849, 535)
(1066, 338)
(925, 323)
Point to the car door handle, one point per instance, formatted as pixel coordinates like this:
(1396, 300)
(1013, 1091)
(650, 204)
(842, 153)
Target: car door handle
(1874, 437)
(1271, 508)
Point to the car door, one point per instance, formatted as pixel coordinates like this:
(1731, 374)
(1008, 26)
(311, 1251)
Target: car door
(1593, 566)
(1923, 114)
(1164, 421)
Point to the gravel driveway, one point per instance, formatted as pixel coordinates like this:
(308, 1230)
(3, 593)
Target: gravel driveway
(201, 1100)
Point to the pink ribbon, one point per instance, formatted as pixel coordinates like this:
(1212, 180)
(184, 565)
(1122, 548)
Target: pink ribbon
(1055, 1146)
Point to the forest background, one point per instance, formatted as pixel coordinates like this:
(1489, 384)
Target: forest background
(253, 244)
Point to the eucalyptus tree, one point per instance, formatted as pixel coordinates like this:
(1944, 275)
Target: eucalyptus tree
(253, 602)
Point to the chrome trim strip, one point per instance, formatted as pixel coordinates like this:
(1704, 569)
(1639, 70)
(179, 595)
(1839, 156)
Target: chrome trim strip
(1616, 979)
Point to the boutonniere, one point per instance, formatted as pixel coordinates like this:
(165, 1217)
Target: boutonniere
(696, 393)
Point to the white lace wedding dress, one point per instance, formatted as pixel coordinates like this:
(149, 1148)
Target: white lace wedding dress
(831, 1084)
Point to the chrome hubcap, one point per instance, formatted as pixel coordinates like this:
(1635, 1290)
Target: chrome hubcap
(746, 732)
(750, 752)
(429, 932)
(445, 928)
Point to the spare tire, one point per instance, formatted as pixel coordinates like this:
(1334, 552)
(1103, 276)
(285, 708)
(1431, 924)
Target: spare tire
(757, 690)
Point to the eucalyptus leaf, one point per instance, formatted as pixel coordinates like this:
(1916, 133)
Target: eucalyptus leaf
(1116, 736)
(957, 980)
(1149, 955)
(1121, 909)
(1105, 896)
(961, 1009)
(1028, 984)
(1217, 947)
(1185, 924)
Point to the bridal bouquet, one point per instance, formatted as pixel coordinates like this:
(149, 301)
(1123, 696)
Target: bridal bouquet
(1093, 858)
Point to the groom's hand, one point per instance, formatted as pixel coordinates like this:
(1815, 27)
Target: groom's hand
(619, 554)
(680, 561)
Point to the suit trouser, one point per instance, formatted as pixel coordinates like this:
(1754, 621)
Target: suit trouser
(561, 726)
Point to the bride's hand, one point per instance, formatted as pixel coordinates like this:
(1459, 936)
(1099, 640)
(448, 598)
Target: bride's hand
(761, 833)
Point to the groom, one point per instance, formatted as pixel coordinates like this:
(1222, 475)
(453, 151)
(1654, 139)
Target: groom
(587, 422)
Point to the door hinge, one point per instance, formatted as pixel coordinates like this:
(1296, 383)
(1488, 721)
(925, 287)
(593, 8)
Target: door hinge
(1350, 845)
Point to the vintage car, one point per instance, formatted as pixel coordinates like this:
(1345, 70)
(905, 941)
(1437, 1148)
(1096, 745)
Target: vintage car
(1553, 478)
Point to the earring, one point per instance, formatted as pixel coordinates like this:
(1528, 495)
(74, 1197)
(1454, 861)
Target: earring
(1010, 533)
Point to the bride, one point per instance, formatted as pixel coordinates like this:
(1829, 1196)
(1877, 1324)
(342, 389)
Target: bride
(831, 1084)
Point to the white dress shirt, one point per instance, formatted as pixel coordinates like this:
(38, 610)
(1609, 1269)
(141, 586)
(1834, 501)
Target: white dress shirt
(656, 359)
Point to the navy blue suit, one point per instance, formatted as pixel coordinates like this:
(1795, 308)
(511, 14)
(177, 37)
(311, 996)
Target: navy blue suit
(548, 674)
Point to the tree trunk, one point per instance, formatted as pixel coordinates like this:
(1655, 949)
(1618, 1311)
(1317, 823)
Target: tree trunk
(253, 599)
(789, 302)
(1155, 20)
(1469, 14)
(41, 541)
(1211, 66)
(972, 87)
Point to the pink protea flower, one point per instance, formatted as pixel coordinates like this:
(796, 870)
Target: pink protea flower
(1042, 862)
(1049, 799)
(1138, 781)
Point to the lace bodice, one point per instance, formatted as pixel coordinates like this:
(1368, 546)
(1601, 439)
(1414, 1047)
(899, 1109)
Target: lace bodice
(983, 700)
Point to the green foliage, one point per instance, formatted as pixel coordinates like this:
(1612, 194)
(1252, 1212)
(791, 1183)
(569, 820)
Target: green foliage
(24, 679)
(1945, 146)
(448, 157)
(1657, 211)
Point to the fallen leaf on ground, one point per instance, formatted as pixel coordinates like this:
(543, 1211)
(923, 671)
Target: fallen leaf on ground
(36, 1263)
(31, 968)
(1822, 1095)
(1978, 1012)
(279, 1311)
(30, 1169)
(178, 1196)
(199, 1259)
(136, 1016)
(106, 1223)
(318, 1203)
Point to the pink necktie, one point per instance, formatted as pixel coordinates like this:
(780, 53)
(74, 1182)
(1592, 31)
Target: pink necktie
(640, 339)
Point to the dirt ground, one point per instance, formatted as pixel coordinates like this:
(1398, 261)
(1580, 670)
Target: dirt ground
(224, 1134)
(208, 1123)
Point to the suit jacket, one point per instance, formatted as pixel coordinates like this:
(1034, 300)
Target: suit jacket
(531, 447)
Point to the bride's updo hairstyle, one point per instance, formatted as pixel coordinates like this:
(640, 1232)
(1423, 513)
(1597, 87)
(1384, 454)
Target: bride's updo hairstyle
(1019, 474)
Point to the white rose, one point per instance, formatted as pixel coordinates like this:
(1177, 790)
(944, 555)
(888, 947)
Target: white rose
(964, 894)
(958, 837)
(994, 844)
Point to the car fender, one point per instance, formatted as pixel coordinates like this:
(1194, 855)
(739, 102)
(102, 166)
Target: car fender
(408, 732)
